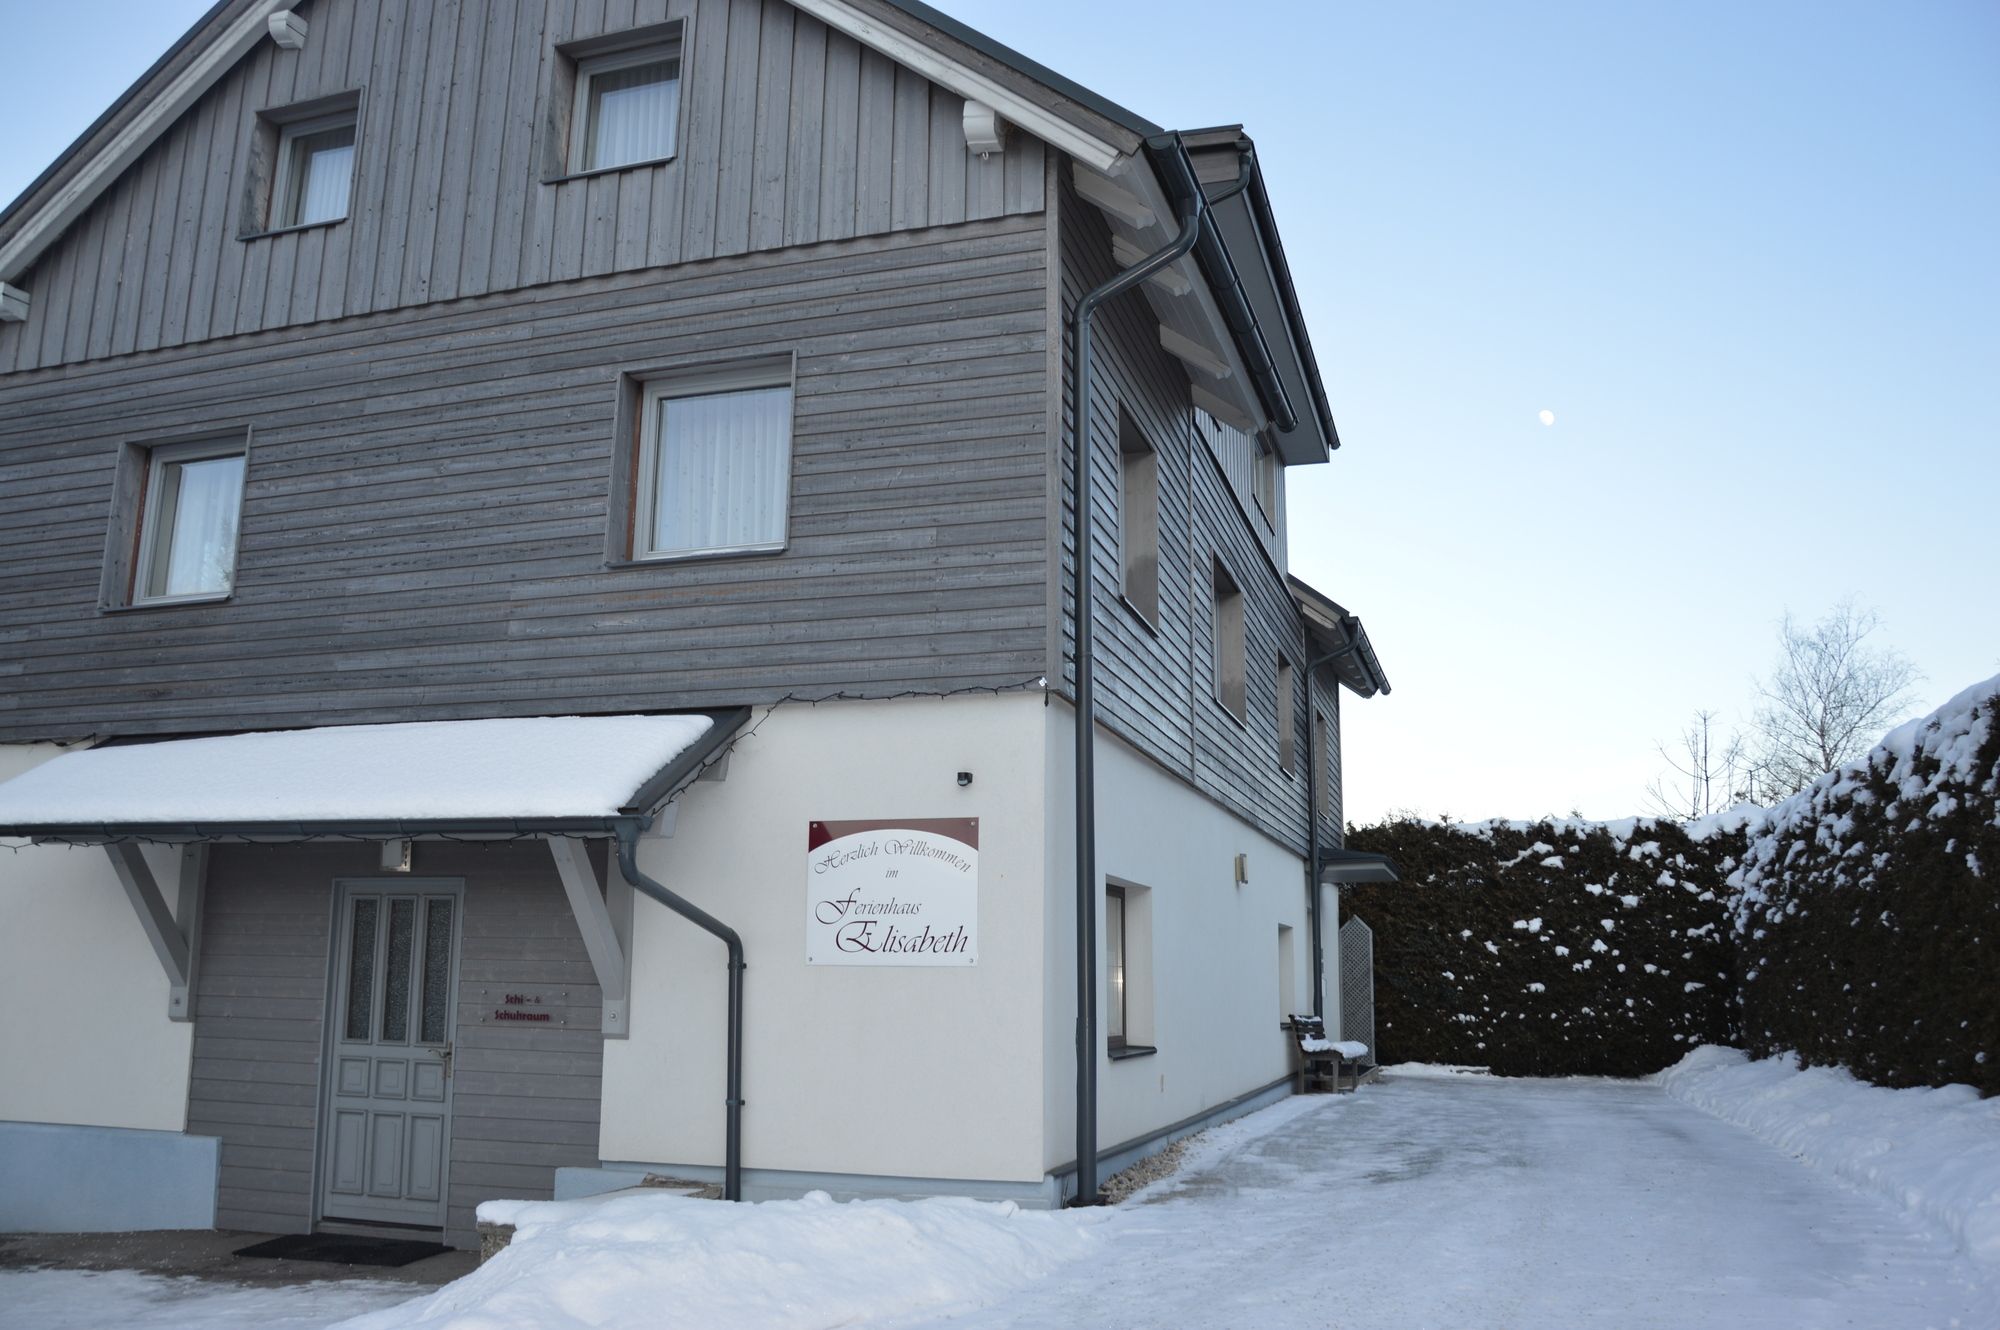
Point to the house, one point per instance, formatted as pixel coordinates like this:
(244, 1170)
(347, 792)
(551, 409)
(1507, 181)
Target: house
(537, 622)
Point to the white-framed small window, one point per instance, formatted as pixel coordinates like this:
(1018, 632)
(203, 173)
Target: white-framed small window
(627, 109)
(188, 523)
(714, 472)
(315, 175)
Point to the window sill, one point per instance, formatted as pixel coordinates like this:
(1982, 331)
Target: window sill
(608, 170)
(248, 236)
(695, 556)
(1125, 1052)
(167, 603)
(1146, 621)
(1242, 722)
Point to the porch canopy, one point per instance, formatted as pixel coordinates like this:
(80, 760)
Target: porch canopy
(534, 776)
(1339, 867)
(559, 779)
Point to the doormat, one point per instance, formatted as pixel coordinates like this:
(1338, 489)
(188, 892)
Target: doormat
(344, 1249)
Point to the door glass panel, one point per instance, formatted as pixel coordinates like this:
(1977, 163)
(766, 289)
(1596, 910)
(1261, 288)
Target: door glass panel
(396, 975)
(437, 969)
(361, 968)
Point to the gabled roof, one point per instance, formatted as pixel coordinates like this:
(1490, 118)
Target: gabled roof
(1229, 314)
(1337, 637)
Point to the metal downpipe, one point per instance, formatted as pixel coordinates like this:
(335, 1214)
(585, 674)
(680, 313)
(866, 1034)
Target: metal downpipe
(732, 1150)
(1086, 704)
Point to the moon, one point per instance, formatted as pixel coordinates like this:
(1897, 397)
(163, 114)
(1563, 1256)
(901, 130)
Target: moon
(1548, 417)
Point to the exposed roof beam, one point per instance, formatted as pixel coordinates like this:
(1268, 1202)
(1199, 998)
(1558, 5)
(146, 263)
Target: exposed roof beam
(1194, 355)
(906, 50)
(1225, 411)
(13, 304)
(1170, 280)
(1115, 199)
(84, 188)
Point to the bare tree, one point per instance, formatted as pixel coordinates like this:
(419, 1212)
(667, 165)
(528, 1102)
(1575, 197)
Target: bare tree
(1708, 771)
(1828, 698)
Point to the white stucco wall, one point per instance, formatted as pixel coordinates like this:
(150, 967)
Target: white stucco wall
(89, 1041)
(1212, 990)
(914, 1072)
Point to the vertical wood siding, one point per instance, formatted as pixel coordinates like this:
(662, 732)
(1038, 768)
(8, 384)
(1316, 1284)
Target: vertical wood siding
(1154, 681)
(424, 522)
(790, 134)
(524, 1100)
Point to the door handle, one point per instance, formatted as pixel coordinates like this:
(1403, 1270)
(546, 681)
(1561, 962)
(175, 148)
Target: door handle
(443, 1052)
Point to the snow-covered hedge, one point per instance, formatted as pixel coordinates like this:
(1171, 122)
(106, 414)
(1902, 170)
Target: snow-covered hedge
(1867, 909)
(1549, 948)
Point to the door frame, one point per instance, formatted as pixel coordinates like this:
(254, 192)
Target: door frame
(387, 885)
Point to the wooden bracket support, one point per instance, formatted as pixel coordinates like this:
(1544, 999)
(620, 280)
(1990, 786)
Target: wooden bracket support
(608, 953)
(168, 935)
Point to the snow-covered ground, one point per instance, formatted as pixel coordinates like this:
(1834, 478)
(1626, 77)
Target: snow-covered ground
(129, 1300)
(1435, 1198)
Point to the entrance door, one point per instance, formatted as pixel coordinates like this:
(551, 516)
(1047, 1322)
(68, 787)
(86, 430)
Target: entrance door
(387, 1127)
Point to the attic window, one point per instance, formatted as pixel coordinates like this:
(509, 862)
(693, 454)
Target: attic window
(623, 93)
(315, 172)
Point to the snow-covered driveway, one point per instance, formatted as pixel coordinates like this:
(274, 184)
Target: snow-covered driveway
(1472, 1202)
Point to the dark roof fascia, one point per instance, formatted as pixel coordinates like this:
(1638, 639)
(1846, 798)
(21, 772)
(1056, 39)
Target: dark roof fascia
(1255, 203)
(1366, 678)
(99, 833)
(58, 170)
(667, 781)
(1128, 120)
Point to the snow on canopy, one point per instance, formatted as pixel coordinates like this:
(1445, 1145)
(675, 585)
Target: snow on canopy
(537, 767)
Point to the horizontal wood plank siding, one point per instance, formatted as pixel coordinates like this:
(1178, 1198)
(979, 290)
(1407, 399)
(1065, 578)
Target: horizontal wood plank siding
(425, 519)
(525, 1102)
(1154, 680)
(789, 135)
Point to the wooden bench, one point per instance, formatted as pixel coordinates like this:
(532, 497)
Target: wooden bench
(1322, 1061)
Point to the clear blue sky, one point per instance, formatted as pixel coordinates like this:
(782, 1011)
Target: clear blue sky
(1746, 253)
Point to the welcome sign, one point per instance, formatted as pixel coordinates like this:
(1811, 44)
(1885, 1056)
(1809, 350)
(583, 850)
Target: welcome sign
(893, 893)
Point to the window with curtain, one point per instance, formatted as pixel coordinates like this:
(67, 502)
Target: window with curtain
(194, 500)
(627, 108)
(715, 469)
(316, 173)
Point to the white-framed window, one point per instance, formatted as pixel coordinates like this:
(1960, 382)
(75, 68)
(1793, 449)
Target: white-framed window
(1128, 970)
(1114, 966)
(1288, 983)
(1229, 643)
(188, 523)
(315, 172)
(627, 108)
(714, 473)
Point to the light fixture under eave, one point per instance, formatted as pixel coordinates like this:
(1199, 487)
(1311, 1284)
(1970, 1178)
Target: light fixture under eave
(985, 131)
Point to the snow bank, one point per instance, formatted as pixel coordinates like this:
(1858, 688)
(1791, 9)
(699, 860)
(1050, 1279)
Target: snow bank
(1934, 1151)
(652, 1258)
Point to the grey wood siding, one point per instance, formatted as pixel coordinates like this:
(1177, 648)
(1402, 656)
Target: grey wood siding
(425, 515)
(789, 135)
(1154, 680)
(260, 1002)
(525, 1100)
